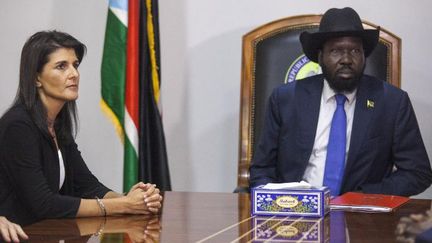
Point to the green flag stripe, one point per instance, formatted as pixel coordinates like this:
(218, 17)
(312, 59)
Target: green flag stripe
(113, 66)
(130, 175)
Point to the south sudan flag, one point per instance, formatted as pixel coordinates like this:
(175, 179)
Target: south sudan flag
(131, 89)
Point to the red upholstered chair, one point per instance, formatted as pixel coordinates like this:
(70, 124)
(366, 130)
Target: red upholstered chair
(272, 55)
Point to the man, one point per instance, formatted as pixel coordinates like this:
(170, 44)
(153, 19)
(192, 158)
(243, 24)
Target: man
(342, 129)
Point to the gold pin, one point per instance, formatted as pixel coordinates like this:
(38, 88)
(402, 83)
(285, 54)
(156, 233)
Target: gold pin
(370, 104)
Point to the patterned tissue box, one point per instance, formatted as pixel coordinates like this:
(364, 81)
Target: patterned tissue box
(313, 202)
(277, 229)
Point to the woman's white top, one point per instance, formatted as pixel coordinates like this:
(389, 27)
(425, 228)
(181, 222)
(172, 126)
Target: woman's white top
(62, 169)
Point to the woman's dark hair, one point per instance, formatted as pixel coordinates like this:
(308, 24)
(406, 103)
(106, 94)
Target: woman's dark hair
(34, 56)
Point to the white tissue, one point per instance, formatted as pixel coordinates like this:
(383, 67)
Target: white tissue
(289, 185)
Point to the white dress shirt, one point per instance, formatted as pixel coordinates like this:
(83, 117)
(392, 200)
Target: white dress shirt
(314, 173)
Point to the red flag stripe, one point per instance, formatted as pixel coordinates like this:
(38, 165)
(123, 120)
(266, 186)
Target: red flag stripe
(132, 68)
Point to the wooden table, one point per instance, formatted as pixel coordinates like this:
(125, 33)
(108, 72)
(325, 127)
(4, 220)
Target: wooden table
(223, 217)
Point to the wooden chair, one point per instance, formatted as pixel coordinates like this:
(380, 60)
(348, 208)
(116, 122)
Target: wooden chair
(272, 55)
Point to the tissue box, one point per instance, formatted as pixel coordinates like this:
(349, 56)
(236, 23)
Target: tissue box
(276, 229)
(313, 202)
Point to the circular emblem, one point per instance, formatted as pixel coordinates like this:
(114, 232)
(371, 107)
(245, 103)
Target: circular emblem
(302, 67)
(287, 202)
(287, 230)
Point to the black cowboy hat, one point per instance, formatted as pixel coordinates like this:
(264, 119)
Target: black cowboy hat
(338, 23)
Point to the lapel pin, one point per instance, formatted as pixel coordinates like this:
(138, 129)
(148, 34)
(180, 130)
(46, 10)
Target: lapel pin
(370, 104)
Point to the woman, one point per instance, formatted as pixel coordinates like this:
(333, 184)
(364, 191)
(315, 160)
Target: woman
(42, 173)
(11, 232)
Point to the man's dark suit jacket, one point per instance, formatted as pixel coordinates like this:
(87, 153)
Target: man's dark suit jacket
(386, 152)
(30, 172)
